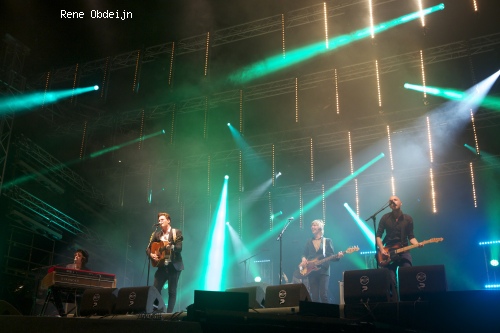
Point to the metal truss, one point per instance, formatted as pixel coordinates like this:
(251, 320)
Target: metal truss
(43, 161)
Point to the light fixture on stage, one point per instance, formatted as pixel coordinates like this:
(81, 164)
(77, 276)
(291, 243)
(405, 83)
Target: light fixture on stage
(226, 177)
(494, 262)
(257, 279)
(278, 174)
(96, 87)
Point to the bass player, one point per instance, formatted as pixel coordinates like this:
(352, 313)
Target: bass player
(316, 248)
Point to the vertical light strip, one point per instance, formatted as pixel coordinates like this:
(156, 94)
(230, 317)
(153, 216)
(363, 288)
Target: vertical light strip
(474, 197)
(301, 209)
(351, 160)
(136, 72)
(47, 80)
(104, 77)
(171, 69)
(312, 159)
(429, 137)
(273, 176)
(83, 138)
(74, 82)
(433, 192)
(431, 159)
(206, 53)
(474, 3)
(422, 69)
(178, 182)
(372, 30)
(325, 13)
(208, 175)
(283, 35)
(379, 94)
(149, 191)
(172, 126)
(270, 203)
(141, 132)
(296, 100)
(476, 142)
(240, 187)
(241, 111)
(240, 218)
(389, 141)
(421, 10)
(323, 202)
(337, 103)
(205, 121)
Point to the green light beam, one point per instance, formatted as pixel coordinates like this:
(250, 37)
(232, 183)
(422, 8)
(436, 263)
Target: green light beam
(214, 269)
(31, 100)
(278, 62)
(369, 235)
(315, 201)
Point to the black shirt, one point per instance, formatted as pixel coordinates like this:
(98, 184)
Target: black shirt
(398, 230)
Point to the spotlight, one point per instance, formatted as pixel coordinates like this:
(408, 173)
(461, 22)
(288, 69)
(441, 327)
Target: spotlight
(96, 87)
(278, 174)
(163, 131)
(227, 223)
(257, 279)
(228, 124)
(494, 262)
(226, 177)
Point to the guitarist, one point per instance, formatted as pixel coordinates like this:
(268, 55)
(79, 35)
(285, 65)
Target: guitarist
(398, 228)
(319, 247)
(170, 271)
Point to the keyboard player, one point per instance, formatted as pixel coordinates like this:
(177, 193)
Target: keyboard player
(80, 261)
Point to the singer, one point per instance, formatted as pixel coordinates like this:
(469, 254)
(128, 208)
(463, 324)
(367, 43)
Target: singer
(398, 228)
(319, 247)
(168, 270)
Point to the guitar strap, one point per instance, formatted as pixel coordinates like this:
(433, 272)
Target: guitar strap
(173, 234)
(324, 247)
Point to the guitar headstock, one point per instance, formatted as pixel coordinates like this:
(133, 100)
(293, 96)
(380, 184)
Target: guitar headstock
(352, 249)
(435, 240)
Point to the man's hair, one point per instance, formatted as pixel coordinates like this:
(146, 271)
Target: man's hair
(85, 255)
(167, 216)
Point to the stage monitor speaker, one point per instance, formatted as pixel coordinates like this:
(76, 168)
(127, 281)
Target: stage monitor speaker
(256, 295)
(98, 301)
(286, 295)
(139, 300)
(8, 309)
(421, 282)
(368, 285)
(220, 300)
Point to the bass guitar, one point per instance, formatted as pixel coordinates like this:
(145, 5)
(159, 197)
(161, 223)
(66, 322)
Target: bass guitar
(164, 252)
(384, 260)
(313, 265)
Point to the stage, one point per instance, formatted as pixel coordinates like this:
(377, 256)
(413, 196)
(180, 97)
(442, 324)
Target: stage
(458, 311)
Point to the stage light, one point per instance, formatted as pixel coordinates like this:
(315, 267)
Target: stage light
(226, 177)
(257, 279)
(492, 286)
(163, 131)
(489, 242)
(494, 262)
(228, 124)
(278, 174)
(227, 223)
(96, 87)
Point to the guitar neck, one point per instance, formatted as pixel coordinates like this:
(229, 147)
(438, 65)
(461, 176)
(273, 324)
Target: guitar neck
(319, 262)
(409, 247)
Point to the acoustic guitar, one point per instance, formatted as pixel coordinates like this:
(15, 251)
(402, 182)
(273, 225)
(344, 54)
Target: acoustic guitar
(163, 250)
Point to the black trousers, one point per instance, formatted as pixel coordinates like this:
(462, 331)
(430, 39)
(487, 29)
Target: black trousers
(170, 274)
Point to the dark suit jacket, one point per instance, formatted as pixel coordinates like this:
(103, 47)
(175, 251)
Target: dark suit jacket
(176, 253)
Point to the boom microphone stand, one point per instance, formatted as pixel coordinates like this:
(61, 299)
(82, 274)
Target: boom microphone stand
(280, 236)
(373, 217)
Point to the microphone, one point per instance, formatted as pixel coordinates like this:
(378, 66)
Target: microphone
(156, 225)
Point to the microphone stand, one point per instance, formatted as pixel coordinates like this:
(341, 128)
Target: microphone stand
(245, 262)
(148, 248)
(280, 237)
(373, 217)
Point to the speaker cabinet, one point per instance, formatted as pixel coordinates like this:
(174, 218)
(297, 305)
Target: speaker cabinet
(368, 285)
(98, 301)
(139, 300)
(421, 282)
(286, 295)
(8, 309)
(220, 300)
(256, 295)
